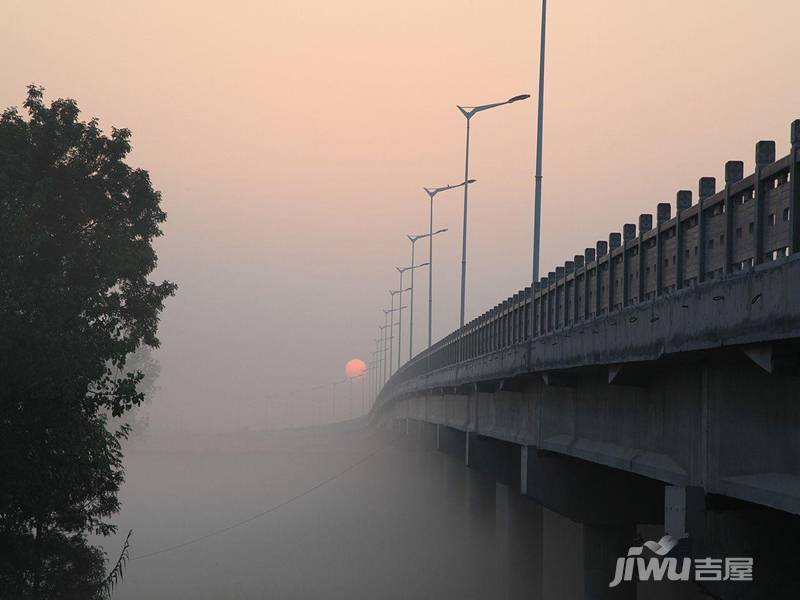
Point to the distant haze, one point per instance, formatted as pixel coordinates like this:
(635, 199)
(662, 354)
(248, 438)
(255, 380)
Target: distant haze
(291, 141)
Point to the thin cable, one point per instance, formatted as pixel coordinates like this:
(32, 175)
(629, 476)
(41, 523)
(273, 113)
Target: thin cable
(263, 513)
(306, 389)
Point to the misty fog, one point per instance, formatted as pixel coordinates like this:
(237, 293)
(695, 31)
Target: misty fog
(290, 143)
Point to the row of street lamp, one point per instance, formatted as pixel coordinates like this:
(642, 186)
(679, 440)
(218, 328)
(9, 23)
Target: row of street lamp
(389, 323)
(381, 368)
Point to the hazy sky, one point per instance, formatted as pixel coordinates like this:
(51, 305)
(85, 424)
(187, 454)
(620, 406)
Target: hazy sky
(291, 141)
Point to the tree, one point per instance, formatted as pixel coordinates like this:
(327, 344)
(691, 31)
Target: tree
(138, 418)
(76, 231)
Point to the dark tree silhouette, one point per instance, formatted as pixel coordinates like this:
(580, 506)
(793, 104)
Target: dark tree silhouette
(76, 231)
(137, 418)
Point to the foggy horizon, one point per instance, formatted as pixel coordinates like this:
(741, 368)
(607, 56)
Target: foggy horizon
(207, 210)
(291, 144)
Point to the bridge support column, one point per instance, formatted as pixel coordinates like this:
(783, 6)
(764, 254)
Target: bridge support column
(452, 441)
(454, 476)
(481, 523)
(684, 513)
(602, 545)
(498, 459)
(521, 521)
(523, 470)
(427, 435)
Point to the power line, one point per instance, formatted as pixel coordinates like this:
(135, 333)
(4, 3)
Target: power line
(264, 512)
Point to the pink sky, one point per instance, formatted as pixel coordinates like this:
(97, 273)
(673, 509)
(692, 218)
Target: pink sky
(291, 141)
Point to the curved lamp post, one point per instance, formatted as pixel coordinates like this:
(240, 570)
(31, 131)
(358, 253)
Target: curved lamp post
(413, 239)
(431, 193)
(390, 316)
(400, 291)
(402, 271)
(383, 338)
(469, 112)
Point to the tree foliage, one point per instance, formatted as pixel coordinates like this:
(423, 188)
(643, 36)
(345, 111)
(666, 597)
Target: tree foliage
(138, 418)
(77, 225)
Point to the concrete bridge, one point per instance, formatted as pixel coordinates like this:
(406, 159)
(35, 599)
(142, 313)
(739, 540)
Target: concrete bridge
(668, 355)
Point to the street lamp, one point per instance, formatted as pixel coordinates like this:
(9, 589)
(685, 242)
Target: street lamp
(400, 291)
(402, 271)
(537, 195)
(364, 383)
(383, 329)
(373, 387)
(400, 308)
(389, 343)
(469, 112)
(376, 355)
(431, 193)
(413, 239)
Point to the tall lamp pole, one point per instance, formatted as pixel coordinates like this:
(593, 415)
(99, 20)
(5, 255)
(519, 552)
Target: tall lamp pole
(383, 348)
(373, 388)
(362, 377)
(390, 315)
(400, 291)
(402, 270)
(413, 239)
(469, 112)
(537, 201)
(391, 327)
(431, 193)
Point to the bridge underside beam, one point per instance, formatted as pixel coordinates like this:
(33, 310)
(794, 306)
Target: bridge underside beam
(714, 420)
(617, 497)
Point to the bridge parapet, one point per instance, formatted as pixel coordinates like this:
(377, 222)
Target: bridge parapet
(717, 248)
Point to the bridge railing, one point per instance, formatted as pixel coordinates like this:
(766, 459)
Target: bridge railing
(749, 221)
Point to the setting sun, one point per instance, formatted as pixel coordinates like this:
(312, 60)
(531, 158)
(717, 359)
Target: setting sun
(355, 367)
